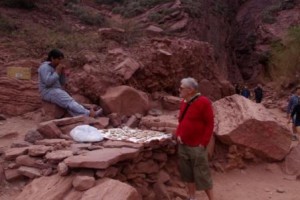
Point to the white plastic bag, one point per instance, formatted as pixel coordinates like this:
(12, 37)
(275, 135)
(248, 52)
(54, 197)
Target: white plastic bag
(86, 133)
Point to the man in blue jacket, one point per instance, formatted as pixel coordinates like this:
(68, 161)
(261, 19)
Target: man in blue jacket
(293, 101)
(51, 79)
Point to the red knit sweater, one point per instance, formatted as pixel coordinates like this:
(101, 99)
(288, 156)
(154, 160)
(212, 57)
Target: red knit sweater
(198, 123)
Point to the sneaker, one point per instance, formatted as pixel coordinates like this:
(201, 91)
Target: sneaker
(99, 112)
(96, 113)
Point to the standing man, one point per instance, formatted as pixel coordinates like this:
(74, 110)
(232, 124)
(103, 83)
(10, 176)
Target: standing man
(245, 92)
(196, 122)
(293, 101)
(51, 79)
(237, 88)
(258, 92)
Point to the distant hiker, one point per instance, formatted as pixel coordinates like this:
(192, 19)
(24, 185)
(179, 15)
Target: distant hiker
(245, 92)
(51, 79)
(258, 92)
(237, 88)
(196, 122)
(293, 102)
(295, 115)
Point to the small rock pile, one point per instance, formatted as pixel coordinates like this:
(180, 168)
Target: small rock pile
(103, 170)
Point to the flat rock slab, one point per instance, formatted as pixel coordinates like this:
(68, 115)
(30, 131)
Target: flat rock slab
(47, 188)
(39, 150)
(12, 153)
(102, 158)
(30, 172)
(53, 142)
(58, 155)
(117, 144)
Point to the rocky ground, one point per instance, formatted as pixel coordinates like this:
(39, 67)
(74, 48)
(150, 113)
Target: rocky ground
(257, 181)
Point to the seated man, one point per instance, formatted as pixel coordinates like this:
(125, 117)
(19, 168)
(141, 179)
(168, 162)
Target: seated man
(51, 79)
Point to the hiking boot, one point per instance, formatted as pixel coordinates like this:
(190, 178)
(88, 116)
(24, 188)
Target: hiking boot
(99, 112)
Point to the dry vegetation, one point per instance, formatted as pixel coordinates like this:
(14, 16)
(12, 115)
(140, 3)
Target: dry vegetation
(285, 57)
(270, 12)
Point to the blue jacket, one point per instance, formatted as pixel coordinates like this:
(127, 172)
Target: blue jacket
(293, 101)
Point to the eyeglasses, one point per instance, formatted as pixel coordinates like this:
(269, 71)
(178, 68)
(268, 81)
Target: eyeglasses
(181, 88)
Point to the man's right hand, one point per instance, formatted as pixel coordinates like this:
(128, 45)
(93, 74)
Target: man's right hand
(59, 69)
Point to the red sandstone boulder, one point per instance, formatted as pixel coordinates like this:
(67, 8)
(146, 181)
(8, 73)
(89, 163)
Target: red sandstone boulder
(83, 182)
(243, 122)
(49, 129)
(127, 68)
(126, 100)
(52, 111)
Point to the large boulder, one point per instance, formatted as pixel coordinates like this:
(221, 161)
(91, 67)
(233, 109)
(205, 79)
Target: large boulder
(242, 122)
(126, 100)
(127, 68)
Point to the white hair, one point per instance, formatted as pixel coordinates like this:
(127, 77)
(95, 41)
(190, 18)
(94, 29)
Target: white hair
(190, 83)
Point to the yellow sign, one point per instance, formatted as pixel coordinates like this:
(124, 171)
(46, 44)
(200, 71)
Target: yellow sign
(23, 73)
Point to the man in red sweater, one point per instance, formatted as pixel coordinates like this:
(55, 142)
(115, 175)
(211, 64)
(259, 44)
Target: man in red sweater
(193, 134)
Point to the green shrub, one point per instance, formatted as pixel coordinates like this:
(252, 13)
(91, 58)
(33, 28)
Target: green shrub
(67, 2)
(7, 25)
(88, 15)
(108, 1)
(159, 15)
(221, 7)
(155, 17)
(24, 4)
(193, 7)
(132, 8)
(133, 31)
(285, 57)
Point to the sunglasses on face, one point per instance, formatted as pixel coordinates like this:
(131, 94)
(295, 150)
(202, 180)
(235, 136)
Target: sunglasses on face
(182, 88)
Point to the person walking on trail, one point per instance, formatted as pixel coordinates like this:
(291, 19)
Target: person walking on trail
(51, 79)
(237, 88)
(258, 92)
(245, 92)
(293, 102)
(295, 115)
(195, 128)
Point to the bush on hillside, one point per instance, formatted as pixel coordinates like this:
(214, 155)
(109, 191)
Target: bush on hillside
(6, 25)
(23, 4)
(270, 12)
(285, 57)
(108, 1)
(159, 15)
(132, 8)
(88, 15)
(193, 8)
